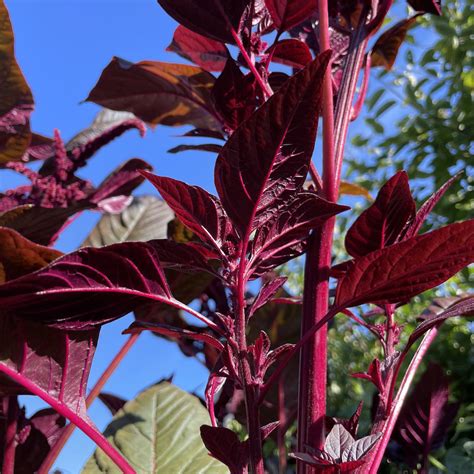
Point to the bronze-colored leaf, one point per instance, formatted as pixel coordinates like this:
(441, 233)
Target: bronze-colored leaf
(158, 93)
(19, 256)
(386, 47)
(352, 189)
(16, 99)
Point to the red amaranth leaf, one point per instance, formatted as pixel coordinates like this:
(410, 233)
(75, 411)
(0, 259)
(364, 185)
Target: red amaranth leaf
(89, 287)
(284, 235)
(425, 417)
(174, 333)
(386, 48)
(291, 52)
(196, 208)
(289, 13)
(35, 436)
(207, 53)
(158, 93)
(107, 126)
(39, 224)
(408, 268)
(212, 19)
(426, 6)
(427, 207)
(47, 362)
(267, 158)
(224, 445)
(234, 95)
(210, 147)
(112, 402)
(462, 307)
(121, 182)
(383, 222)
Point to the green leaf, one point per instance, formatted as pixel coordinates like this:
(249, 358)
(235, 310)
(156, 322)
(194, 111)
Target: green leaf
(158, 432)
(146, 218)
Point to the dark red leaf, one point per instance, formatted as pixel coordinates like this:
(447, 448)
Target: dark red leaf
(210, 18)
(291, 52)
(88, 287)
(209, 54)
(386, 48)
(174, 333)
(267, 292)
(288, 13)
(266, 159)
(210, 147)
(425, 417)
(426, 6)
(427, 207)
(39, 224)
(284, 235)
(158, 93)
(202, 132)
(383, 222)
(462, 307)
(224, 445)
(35, 437)
(234, 95)
(107, 126)
(121, 182)
(47, 362)
(112, 402)
(408, 268)
(195, 207)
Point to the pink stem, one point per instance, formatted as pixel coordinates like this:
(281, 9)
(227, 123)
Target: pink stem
(281, 426)
(83, 424)
(10, 437)
(400, 398)
(250, 391)
(313, 362)
(93, 394)
(267, 90)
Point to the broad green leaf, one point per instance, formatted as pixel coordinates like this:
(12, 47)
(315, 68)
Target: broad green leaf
(158, 432)
(146, 218)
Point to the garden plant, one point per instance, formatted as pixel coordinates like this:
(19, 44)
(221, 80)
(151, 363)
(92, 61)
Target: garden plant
(210, 272)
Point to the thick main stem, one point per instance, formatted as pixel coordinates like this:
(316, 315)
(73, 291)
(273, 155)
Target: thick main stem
(10, 437)
(313, 360)
(93, 394)
(251, 392)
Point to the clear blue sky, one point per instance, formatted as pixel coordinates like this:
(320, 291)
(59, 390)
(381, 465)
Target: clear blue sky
(62, 47)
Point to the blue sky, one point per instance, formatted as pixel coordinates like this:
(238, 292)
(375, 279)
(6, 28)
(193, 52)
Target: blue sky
(62, 47)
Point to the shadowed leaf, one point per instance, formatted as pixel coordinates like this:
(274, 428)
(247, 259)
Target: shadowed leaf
(112, 402)
(288, 13)
(209, 18)
(425, 417)
(157, 93)
(386, 48)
